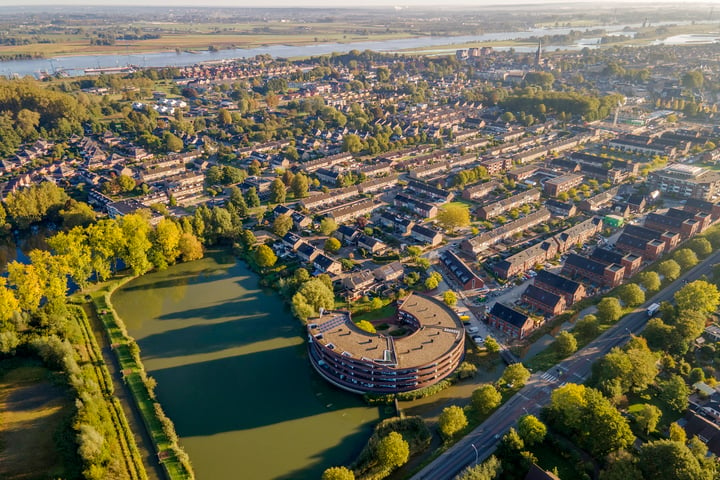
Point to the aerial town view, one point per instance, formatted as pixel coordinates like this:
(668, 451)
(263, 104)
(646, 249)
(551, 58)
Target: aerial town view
(321, 240)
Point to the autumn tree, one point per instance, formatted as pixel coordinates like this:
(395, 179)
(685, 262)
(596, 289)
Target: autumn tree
(300, 185)
(264, 256)
(531, 430)
(647, 418)
(453, 216)
(485, 398)
(332, 245)
(609, 310)
(515, 375)
(699, 295)
(392, 450)
(190, 247)
(328, 225)
(686, 258)
(338, 473)
(277, 191)
(566, 343)
(670, 269)
(650, 280)
(282, 225)
(451, 421)
(450, 298)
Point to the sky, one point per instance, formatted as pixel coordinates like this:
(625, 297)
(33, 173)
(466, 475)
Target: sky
(316, 3)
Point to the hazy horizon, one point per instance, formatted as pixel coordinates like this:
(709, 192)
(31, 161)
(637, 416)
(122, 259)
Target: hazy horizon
(324, 3)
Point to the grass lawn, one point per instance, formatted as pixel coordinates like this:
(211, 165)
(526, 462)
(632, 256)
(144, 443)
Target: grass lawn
(384, 312)
(31, 410)
(636, 401)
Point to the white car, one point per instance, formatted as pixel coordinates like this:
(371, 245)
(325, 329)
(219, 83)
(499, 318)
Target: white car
(478, 340)
(472, 330)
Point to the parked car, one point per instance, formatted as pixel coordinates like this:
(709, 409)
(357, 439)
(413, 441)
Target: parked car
(478, 340)
(472, 330)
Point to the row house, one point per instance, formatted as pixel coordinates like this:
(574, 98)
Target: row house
(606, 275)
(417, 207)
(462, 273)
(159, 173)
(685, 227)
(496, 165)
(370, 244)
(423, 171)
(432, 193)
(374, 169)
(380, 183)
(547, 302)
(642, 144)
(333, 196)
(480, 190)
(571, 290)
(541, 252)
(426, 235)
(650, 249)
(346, 234)
(328, 177)
(325, 162)
(694, 205)
(186, 194)
(344, 213)
(554, 186)
(421, 160)
(631, 261)
(555, 147)
(399, 225)
(494, 209)
(704, 219)
(163, 162)
(669, 239)
(481, 242)
(521, 173)
(561, 209)
(510, 321)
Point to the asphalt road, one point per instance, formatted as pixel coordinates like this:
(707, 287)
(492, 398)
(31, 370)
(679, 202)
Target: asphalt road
(481, 442)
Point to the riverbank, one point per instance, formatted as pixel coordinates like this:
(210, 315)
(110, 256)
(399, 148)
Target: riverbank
(173, 459)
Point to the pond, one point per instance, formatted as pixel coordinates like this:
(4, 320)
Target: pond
(232, 373)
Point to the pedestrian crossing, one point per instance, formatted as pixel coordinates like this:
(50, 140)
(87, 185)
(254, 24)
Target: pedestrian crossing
(550, 377)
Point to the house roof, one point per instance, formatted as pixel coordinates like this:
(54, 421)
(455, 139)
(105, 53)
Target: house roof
(606, 256)
(557, 281)
(585, 264)
(458, 267)
(542, 296)
(509, 315)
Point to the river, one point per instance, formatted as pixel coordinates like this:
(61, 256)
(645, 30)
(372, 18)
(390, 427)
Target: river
(75, 65)
(232, 373)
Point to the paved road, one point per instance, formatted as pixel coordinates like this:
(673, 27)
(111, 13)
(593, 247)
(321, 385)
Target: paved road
(481, 442)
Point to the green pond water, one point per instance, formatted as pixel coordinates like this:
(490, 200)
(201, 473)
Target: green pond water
(232, 373)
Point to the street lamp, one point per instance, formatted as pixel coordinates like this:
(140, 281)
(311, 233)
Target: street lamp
(477, 455)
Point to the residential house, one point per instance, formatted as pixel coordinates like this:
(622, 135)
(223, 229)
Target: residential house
(461, 272)
(510, 321)
(606, 275)
(547, 302)
(372, 245)
(426, 235)
(572, 291)
(632, 262)
(326, 264)
(389, 272)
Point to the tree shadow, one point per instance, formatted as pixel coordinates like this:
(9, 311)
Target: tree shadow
(228, 394)
(228, 309)
(214, 336)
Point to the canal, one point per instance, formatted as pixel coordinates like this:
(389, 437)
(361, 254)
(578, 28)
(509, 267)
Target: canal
(232, 373)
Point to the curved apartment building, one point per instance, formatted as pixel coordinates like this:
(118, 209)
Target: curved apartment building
(363, 362)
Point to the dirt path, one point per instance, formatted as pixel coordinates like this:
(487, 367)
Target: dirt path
(144, 443)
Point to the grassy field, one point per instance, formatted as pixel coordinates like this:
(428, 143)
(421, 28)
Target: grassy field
(32, 409)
